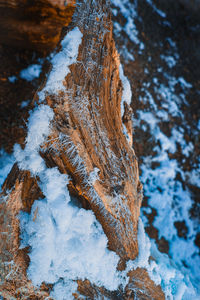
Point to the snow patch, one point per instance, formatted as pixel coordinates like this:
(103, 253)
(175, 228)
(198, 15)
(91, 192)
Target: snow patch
(6, 163)
(61, 62)
(158, 11)
(129, 11)
(170, 61)
(194, 177)
(12, 79)
(38, 130)
(160, 269)
(184, 83)
(25, 103)
(126, 93)
(66, 241)
(165, 193)
(32, 72)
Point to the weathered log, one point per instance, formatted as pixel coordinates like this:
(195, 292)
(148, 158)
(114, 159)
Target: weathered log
(87, 142)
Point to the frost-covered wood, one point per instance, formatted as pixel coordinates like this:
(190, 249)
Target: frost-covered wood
(76, 146)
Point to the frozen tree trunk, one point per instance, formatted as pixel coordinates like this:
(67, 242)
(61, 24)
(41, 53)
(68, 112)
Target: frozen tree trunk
(87, 141)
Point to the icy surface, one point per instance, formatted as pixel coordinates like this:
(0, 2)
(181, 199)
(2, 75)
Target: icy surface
(126, 93)
(6, 163)
(32, 72)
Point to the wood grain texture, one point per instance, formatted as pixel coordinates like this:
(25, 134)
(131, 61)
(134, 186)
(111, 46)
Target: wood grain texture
(34, 24)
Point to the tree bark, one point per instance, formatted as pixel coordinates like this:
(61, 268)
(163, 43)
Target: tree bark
(86, 135)
(34, 25)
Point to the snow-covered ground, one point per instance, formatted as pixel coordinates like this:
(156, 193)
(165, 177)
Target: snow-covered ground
(160, 115)
(33, 71)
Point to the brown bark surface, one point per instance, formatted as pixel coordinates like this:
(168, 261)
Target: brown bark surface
(34, 24)
(88, 115)
(29, 31)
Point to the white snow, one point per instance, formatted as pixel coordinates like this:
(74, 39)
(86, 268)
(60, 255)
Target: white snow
(170, 60)
(126, 97)
(172, 203)
(194, 176)
(12, 79)
(126, 93)
(184, 83)
(32, 72)
(38, 130)
(63, 289)
(6, 163)
(61, 62)
(158, 11)
(168, 196)
(129, 11)
(66, 241)
(165, 193)
(24, 103)
(172, 43)
(161, 270)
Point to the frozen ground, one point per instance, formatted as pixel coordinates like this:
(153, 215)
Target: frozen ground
(167, 127)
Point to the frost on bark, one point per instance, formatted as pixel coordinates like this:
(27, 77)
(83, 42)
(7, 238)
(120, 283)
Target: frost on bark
(88, 143)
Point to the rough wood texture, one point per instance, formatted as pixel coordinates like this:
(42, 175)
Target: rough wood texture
(88, 115)
(34, 24)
